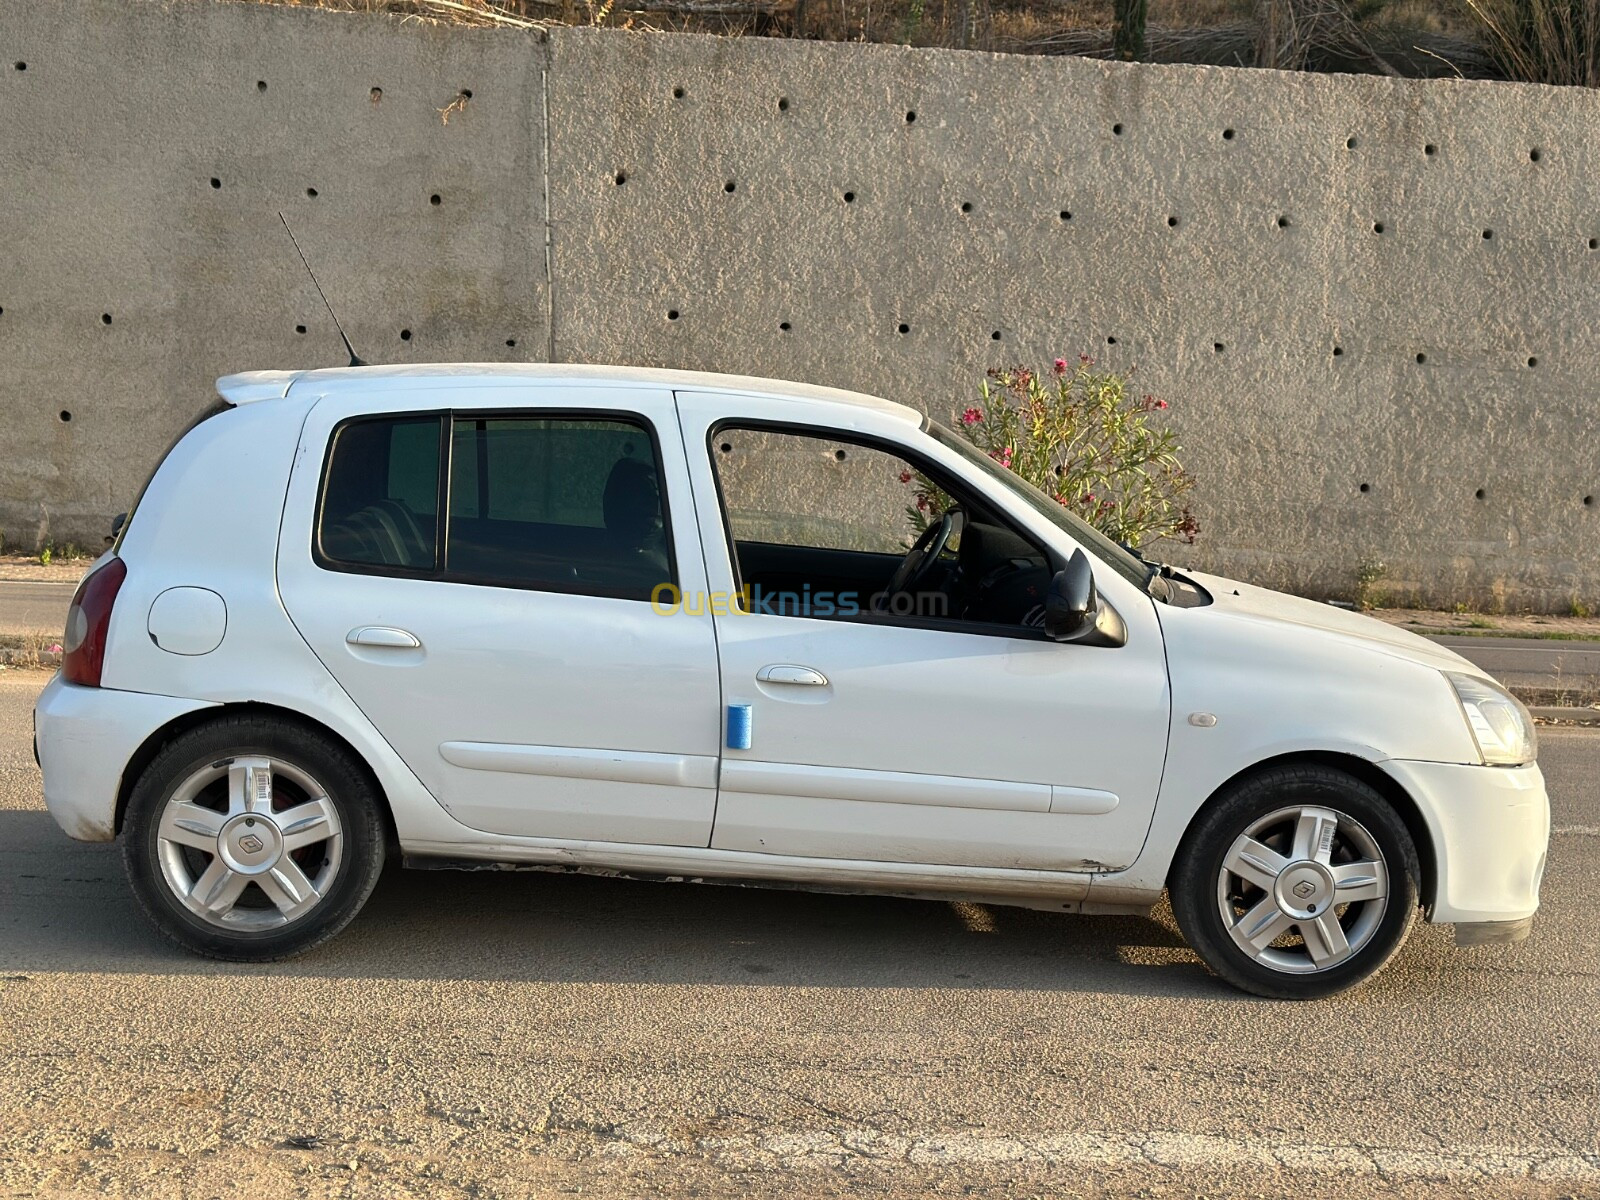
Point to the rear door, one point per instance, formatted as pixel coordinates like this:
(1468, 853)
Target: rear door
(474, 566)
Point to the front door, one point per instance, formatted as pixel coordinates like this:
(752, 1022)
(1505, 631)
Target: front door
(477, 576)
(945, 729)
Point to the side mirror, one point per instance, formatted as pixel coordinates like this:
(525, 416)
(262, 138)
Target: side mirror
(1071, 605)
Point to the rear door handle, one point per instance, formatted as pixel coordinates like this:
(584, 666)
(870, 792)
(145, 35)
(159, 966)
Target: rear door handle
(785, 673)
(382, 635)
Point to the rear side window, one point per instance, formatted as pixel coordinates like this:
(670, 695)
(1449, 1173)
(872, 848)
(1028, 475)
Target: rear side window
(380, 496)
(560, 504)
(567, 504)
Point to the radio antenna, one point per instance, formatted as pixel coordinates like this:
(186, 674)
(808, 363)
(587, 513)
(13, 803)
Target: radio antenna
(355, 359)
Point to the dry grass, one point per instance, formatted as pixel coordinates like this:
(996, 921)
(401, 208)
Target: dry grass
(30, 651)
(1544, 40)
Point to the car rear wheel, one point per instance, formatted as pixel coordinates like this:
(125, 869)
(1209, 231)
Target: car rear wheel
(1298, 883)
(252, 839)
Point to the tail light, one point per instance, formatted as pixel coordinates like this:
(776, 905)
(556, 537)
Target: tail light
(88, 620)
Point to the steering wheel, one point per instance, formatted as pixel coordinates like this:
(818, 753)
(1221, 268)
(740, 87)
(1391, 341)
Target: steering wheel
(919, 561)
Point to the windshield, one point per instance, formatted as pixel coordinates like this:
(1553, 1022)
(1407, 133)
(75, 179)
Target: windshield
(1131, 568)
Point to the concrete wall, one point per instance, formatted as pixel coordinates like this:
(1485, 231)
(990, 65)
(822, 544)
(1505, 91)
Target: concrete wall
(1419, 396)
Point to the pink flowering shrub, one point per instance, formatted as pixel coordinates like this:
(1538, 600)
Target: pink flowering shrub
(1087, 439)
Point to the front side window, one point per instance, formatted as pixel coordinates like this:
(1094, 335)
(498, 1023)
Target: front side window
(563, 504)
(826, 527)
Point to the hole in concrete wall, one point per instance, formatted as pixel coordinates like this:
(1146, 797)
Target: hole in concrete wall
(1421, 358)
(1227, 135)
(1535, 154)
(1594, 243)
(1365, 488)
(1377, 227)
(105, 318)
(672, 314)
(1533, 361)
(1217, 347)
(904, 328)
(730, 187)
(1350, 143)
(435, 200)
(726, 447)
(1111, 339)
(839, 455)
(1065, 215)
(1172, 222)
(1338, 351)
(677, 93)
(261, 85)
(966, 206)
(1479, 494)
(995, 336)
(311, 193)
(375, 95)
(784, 327)
(22, 66)
(510, 342)
(299, 328)
(215, 182)
(1430, 149)
(64, 415)
(1283, 222)
(849, 197)
(405, 335)
(911, 118)
(622, 178)
(465, 93)
(1116, 130)
(1488, 235)
(783, 104)
(1588, 501)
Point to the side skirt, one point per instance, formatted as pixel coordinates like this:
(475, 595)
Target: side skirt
(1053, 891)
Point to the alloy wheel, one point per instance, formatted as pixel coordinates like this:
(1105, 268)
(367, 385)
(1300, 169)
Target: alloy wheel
(249, 843)
(1303, 889)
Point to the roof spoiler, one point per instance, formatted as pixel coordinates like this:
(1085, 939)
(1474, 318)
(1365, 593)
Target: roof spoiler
(249, 386)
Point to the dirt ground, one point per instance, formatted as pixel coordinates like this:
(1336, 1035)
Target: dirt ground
(26, 568)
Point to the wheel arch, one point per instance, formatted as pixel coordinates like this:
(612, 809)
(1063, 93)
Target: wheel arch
(200, 717)
(1364, 770)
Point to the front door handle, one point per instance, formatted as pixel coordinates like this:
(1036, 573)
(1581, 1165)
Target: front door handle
(382, 635)
(784, 673)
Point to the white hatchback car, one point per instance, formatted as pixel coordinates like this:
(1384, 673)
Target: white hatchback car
(675, 625)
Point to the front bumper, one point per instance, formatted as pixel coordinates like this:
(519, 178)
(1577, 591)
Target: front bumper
(83, 739)
(1490, 828)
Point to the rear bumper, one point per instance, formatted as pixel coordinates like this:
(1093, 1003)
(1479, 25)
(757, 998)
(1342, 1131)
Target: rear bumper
(83, 739)
(1490, 828)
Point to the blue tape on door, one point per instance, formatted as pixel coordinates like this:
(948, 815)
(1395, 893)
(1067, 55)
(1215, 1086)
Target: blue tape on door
(738, 727)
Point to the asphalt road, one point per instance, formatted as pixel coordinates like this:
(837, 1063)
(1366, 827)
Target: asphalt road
(1533, 662)
(34, 607)
(501, 1034)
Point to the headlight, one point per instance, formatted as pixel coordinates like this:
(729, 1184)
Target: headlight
(1500, 723)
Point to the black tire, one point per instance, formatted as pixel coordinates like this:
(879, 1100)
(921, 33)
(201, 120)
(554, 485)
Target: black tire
(1196, 882)
(350, 879)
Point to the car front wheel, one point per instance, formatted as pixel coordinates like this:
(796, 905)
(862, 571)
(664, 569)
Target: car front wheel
(252, 839)
(1298, 883)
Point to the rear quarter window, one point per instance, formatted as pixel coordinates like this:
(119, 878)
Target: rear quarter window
(380, 494)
